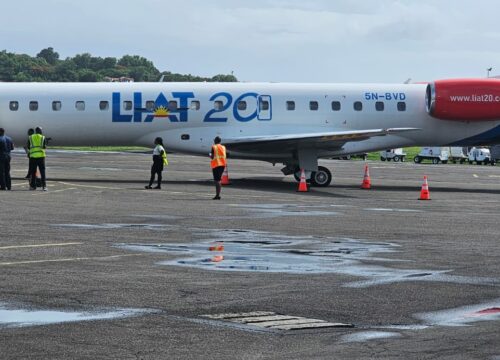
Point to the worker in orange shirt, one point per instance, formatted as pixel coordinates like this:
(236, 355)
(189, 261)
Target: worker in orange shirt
(218, 164)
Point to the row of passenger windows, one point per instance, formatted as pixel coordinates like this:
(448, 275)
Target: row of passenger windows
(337, 106)
(218, 105)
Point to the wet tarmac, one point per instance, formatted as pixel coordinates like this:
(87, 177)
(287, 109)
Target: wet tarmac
(10, 317)
(84, 263)
(245, 250)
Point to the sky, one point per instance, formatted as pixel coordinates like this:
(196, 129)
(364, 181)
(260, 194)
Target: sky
(383, 41)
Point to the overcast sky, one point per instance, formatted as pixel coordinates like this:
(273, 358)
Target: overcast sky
(266, 40)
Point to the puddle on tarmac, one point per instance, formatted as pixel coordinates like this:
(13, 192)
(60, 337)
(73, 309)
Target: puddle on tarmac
(278, 210)
(114, 226)
(368, 335)
(18, 317)
(277, 253)
(462, 316)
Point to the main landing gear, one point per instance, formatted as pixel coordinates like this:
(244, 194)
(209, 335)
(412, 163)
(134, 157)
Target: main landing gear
(320, 178)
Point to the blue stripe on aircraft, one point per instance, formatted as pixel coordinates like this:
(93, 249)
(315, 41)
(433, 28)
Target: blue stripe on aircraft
(488, 137)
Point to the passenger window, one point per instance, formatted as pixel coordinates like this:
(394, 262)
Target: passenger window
(195, 105)
(80, 105)
(218, 105)
(242, 105)
(127, 105)
(56, 105)
(313, 105)
(103, 105)
(335, 105)
(379, 106)
(150, 105)
(401, 106)
(264, 105)
(358, 105)
(14, 105)
(33, 105)
(290, 105)
(172, 105)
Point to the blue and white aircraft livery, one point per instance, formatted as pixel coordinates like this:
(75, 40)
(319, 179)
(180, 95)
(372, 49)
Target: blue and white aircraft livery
(292, 124)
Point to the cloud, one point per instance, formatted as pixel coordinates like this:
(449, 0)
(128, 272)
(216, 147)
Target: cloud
(317, 40)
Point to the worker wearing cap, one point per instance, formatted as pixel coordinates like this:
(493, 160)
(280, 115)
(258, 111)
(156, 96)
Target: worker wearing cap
(6, 146)
(218, 164)
(37, 145)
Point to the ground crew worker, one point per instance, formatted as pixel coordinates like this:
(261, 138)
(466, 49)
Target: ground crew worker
(159, 160)
(37, 145)
(27, 150)
(218, 164)
(6, 146)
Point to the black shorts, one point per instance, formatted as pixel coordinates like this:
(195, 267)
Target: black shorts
(218, 171)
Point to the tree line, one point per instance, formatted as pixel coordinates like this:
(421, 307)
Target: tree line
(46, 66)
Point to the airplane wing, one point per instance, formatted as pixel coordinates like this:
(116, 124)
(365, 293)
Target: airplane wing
(325, 140)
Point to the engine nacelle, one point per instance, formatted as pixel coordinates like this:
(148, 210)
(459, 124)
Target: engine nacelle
(464, 99)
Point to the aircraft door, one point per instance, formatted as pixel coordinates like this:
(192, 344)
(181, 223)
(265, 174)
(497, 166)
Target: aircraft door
(264, 107)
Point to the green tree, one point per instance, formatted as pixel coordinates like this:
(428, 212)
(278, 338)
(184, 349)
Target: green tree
(49, 55)
(46, 66)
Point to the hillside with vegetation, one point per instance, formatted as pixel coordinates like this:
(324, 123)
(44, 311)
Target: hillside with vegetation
(46, 66)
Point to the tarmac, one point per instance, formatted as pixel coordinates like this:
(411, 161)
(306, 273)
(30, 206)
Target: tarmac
(99, 267)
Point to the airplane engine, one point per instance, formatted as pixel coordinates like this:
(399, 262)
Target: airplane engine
(464, 99)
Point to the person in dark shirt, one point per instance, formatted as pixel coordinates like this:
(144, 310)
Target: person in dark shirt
(6, 146)
(27, 150)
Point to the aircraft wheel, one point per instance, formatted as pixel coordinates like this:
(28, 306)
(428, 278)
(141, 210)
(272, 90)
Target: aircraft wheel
(322, 177)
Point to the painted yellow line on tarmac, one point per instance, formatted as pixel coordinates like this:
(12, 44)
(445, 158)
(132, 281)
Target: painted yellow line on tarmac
(90, 186)
(27, 262)
(38, 245)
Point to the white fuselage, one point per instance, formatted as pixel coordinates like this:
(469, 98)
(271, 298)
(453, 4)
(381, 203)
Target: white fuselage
(135, 113)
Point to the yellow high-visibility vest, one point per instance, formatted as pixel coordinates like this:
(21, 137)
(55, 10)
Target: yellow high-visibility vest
(36, 150)
(164, 157)
(219, 153)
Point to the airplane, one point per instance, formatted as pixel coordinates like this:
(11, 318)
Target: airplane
(288, 123)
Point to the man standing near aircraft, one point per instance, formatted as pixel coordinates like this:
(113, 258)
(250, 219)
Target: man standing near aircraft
(218, 164)
(6, 146)
(37, 145)
(31, 131)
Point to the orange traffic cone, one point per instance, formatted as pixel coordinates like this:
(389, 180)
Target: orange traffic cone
(302, 184)
(225, 177)
(424, 193)
(367, 183)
